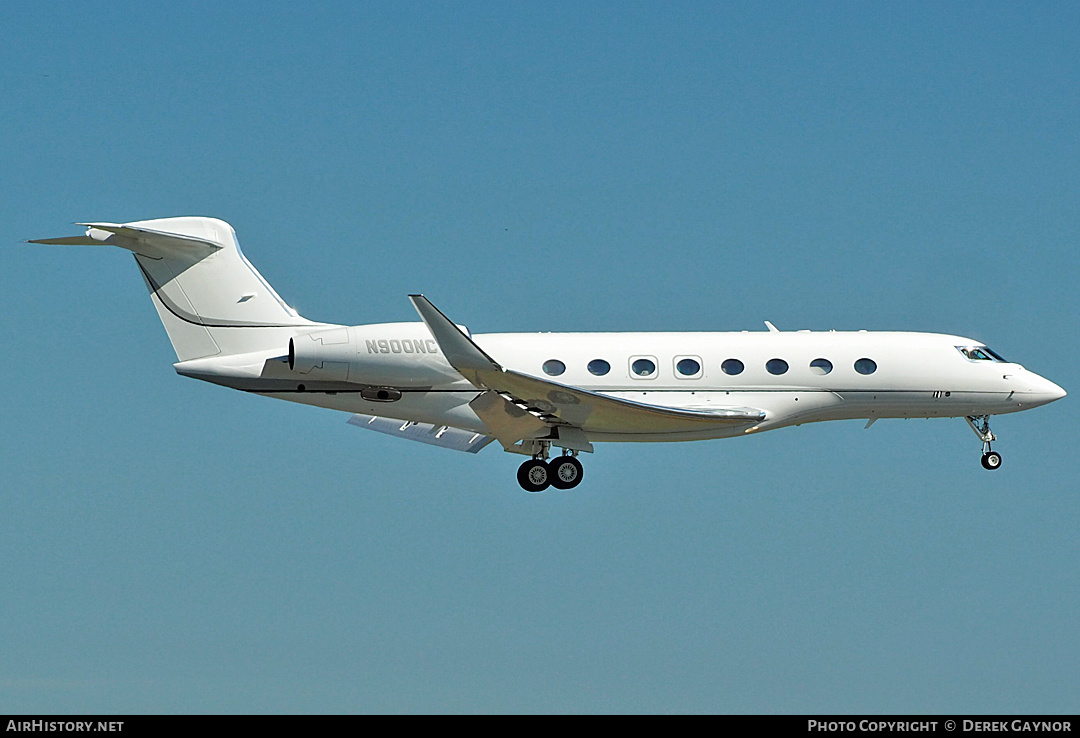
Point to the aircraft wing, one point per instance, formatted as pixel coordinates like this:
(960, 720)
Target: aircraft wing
(434, 435)
(557, 404)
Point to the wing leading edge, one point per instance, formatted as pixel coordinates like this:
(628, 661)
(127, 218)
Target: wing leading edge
(557, 405)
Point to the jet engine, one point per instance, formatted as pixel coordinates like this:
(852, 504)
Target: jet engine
(381, 356)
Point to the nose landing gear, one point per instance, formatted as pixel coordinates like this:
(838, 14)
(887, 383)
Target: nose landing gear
(564, 472)
(991, 460)
(981, 425)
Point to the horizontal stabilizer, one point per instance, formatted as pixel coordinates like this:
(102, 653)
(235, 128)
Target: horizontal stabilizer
(147, 241)
(68, 241)
(160, 240)
(434, 435)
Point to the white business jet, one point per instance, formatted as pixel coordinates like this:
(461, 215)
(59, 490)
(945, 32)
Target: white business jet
(436, 383)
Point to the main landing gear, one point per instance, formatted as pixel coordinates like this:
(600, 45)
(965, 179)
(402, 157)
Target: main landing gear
(981, 425)
(564, 472)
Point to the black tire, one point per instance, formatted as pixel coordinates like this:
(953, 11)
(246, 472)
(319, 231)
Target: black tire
(991, 460)
(533, 476)
(566, 472)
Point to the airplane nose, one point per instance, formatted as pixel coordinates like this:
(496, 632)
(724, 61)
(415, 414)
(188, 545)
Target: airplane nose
(1055, 393)
(1043, 391)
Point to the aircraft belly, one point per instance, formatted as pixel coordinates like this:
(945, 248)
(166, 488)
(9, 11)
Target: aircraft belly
(707, 434)
(794, 407)
(922, 404)
(788, 408)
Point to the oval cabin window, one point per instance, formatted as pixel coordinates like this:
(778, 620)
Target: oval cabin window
(865, 366)
(599, 367)
(554, 367)
(643, 367)
(776, 366)
(688, 367)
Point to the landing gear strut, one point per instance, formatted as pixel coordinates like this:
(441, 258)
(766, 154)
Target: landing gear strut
(564, 472)
(981, 425)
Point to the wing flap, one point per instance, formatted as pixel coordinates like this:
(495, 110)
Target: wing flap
(508, 422)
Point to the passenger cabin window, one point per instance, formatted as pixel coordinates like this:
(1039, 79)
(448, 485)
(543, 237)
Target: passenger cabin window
(865, 366)
(979, 353)
(687, 367)
(642, 367)
(776, 366)
(732, 367)
(820, 366)
(599, 367)
(554, 367)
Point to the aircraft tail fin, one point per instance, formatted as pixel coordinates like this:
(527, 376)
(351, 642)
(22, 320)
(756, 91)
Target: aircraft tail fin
(209, 297)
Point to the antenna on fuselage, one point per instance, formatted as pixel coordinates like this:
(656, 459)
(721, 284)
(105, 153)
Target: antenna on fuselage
(772, 328)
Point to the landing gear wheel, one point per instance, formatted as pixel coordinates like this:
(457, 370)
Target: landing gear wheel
(981, 425)
(533, 476)
(566, 472)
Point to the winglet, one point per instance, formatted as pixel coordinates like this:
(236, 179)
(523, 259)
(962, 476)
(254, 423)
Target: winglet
(459, 349)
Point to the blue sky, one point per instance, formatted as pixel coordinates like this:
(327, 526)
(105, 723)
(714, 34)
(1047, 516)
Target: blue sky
(171, 546)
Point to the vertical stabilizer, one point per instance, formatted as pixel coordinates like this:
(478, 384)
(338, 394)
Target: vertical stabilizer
(210, 299)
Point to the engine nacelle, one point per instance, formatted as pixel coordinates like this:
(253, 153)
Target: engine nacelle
(327, 352)
(380, 355)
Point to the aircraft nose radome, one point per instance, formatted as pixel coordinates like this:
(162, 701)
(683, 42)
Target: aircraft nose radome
(1056, 393)
(1045, 391)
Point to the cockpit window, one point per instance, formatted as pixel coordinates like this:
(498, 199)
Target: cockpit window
(979, 353)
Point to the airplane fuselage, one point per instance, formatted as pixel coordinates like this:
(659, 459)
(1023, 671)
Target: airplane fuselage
(795, 377)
